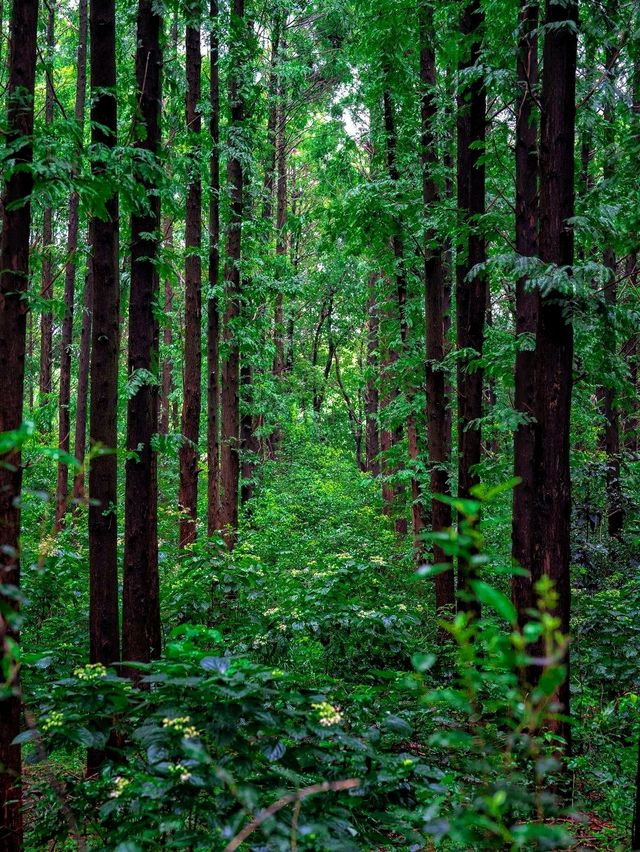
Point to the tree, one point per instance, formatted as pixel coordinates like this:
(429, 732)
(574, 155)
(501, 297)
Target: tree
(230, 400)
(554, 331)
(14, 278)
(372, 395)
(438, 402)
(471, 285)
(193, 291)
(46, 319)
(213, 309)
(527, 299)
(615, 510)
(141, 632)
(64, 414)
(103, 414)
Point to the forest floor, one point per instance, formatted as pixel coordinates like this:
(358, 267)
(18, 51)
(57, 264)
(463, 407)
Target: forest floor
(320, 587)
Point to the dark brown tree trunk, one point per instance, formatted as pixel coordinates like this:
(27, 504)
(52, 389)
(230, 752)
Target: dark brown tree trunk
(64, 419)
(554, 352)
(272, 125)
(103, 416)
(632, 346)
(527, 300)
(189, 454)
(141, 639)
(14, 277)
(82, 393)
(213, 310)
(471, 292)
(372, 395)
(167, 337)
(615, 511)
(281, 225)
(397, 245)
(46, 320)
(230, 455)
(436, 313)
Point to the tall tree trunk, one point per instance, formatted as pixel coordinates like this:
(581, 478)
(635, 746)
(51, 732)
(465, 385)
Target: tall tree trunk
(167, 337)
(230, 456)
(82, 393)
(527, 300)
(372, 395)
(103, 415)
(141, 637)
(281, 226)
(554, 351)
(471, 295)
(189, 454)
(436, 312)
(64, 418)
(615, 511)
(14, 277)
(397, 245)
(213, 310)
(46, 320)
(632, 346)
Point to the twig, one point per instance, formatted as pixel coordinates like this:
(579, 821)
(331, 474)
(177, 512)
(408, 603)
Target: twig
(263, 816)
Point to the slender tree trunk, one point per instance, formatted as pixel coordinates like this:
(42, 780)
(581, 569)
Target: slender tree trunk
(527, 300)
(82, 394)
(64, 415)
(14, 277)
(554, 351)
(615, 511)
(213, 310)
(167, 338)
(372, 395)
(46, 320)
(141, 637)
(471, 295)
(436, 313)
(281, 225)
(397, 245)
(230, 456)
(103, 416)
(632, 347)
(189, 454)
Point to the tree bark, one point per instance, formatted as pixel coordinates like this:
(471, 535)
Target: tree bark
(103, 416)
(554, 351)
(213, 310)
(141, 636)
(615, 511)
(230, 455)
(82, 392)
(397, 245)
(46, 319)
(14, 277)
(527, 300)
(167, 338)
(64, 418)
(372, 395)
(471, 295)
(189, 454)
(436, 313)
(281, 227)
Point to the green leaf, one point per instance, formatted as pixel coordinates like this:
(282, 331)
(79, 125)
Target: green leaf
(495, 599)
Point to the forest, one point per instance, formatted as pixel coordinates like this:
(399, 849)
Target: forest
(319, 425)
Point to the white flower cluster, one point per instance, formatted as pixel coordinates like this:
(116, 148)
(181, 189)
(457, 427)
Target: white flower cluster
(119, 785)
(329, 715)
(181, 725)
(181, 771)
(91, 673)
(53, 722)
